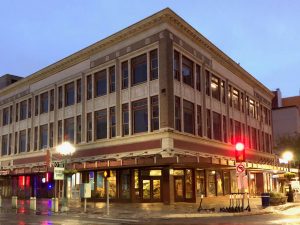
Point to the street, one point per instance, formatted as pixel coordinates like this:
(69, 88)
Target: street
(289, 216)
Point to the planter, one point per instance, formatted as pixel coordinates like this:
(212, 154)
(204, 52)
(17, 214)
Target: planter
(278, 200)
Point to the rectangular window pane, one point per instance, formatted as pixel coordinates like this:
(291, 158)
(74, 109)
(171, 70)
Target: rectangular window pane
(59, 132)
(139, 69)
(177, 114)
(23, 110)
(35, 147)
(215, 87)
(153, 65)
(100, 83)
(207, 83)
(199, 120)
(44, 136)
(89, 128)
(124, 75)
(89, 87)
(188, 116)
(187, 71)
(101, 124)
(198, 77)
(69, 130)
(154, 113)
(17, 112)
(5, 116)
(51, 135)
(52, 100)
(236, 99)
(140, 116)
(112, 79)
(78, 91)
(112, 122)
(78, 129)
(217, 126)
(28, 140)
(225, 129)
(69, 94)
(176, 65)
(22, 141)
(4, 144)
(44, 102)
(208, 123)
(60, 97)
(16, 143)
(125, 119)
(223, 93)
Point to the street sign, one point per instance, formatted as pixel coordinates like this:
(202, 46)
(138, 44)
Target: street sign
(58, 173)
(240, 168)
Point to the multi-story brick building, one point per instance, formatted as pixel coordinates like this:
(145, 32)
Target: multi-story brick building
(156, 103)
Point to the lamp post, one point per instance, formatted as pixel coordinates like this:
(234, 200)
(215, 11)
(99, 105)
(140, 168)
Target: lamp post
(65, 149)
(288, 156)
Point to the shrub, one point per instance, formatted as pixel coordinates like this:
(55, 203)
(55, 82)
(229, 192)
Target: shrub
(276, 195)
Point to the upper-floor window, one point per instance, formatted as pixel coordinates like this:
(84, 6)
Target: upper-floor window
(217, 129)
(23, 110)
(89, 127)
(139, 69)
(51, 135)
(208, 123)
(101, 124)
(10, 114)
(187, 71)
(236, 99)
(5, 116)
(112, 122)
(125, 119)
(176, 65)
(4, 144)
(124, 73)
(215, 87)
(35, 138)
(44, 103)
(112, 79)
(89, 87)
(22, 141)
(140, 116)
(207, 83)
(100, 83)
(78, 129)
(29, 108)
(199, 120)
(78, 91)
(225, 129)
(198, 77)
(223, 92)
(59, 132)
(188, 117)
(69, 94)
(177, 114)
(60, 97)
(153, 65)
(44, 136)
(252, 108)
(154, 113)
(51, 99)
(69, 130)
(28, 139)
(17, 112)
(230, 95)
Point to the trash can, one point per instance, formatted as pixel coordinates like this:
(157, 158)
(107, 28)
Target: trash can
(265, 199)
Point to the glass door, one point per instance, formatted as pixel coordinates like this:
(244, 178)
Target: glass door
(151, 189)
(179, 194)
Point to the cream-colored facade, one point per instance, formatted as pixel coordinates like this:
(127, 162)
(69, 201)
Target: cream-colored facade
(241, 104)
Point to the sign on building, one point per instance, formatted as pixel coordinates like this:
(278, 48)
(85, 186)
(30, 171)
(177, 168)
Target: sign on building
(58, 173)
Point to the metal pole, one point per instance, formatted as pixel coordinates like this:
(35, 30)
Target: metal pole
(85, 205)
(107, 196)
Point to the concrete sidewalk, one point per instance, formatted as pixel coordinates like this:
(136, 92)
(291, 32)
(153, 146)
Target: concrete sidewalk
(145, 210)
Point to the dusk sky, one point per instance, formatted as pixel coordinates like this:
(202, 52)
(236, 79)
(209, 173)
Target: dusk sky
(262, 35)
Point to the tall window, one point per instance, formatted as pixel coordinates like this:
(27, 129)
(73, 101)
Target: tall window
(230, 95)
(5, 116)
(17, 112)
(124, 74)
(238, 131)
(254, 139)
(69, 94)
(140, 116)
(28, 139)
(112, 79)
(60, 97)
(29, 108)
(22, 141)
(89, 127)
(252, 108)
(125, 119)
(199, 120)
(215, 87)
(154, 113)
(16, 143)
(9, 145)
(44, 103)
(51, 135)
(176, 65)
(187, 71)
(112, 122)
(78, 91)
(10, 114)
(59, 132)
(198, 77)
(44, 136)
(208, 123)
(217, 129)
(177, 114)
(4, 144)
(69, 130)
(236, 99)
(207, 83)
(225, 129)
(35, 146)
(139, 69)
(223, 92)
(153, 65)
(78, 129)
(100, 83)
(51, 99)
(89, 87)
(23, 110)
(188, 117)
(101, 124)
(242, 102)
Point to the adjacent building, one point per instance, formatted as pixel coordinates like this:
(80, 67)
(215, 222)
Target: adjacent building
(156, 105)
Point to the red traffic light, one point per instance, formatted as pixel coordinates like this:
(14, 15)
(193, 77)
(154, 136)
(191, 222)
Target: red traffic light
(240, 152)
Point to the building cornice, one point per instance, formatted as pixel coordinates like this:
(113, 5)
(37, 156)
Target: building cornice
(163, 16)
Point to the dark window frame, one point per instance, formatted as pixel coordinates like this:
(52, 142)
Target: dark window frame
(139, 108)
(139, 69)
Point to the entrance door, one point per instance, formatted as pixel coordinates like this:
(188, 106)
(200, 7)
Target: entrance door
(151, 189)
(179, 189)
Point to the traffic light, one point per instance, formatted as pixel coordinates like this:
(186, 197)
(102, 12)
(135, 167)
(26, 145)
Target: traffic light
(240, 152)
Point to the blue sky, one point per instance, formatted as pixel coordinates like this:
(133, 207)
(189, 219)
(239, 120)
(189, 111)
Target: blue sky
(262, 35)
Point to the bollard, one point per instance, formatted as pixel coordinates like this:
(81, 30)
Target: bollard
(14, 202)
(56, 205)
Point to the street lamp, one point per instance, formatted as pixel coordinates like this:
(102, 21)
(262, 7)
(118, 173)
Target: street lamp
(288, 156)
(65, 149)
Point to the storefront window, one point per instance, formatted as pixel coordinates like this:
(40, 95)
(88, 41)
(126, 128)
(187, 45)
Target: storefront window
(112, 184)
(92, 180)
(226, 176)
(219, 183)
(188, 184)
(100, 186)
(136, 183)
(200, 182)
(234, 187)
(211, 183)
(125, 184)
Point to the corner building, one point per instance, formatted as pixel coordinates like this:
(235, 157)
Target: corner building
(157, 104)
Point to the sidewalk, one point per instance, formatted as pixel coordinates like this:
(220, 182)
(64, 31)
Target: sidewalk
(145, 210)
